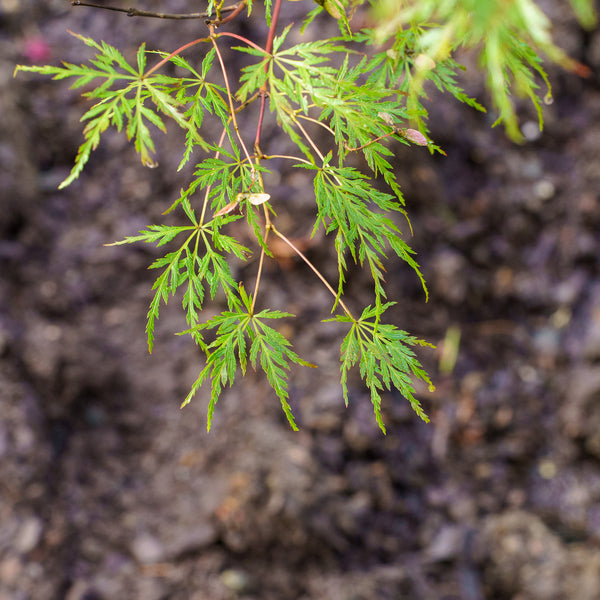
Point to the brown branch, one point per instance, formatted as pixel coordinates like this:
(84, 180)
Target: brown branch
(263, 90)
(136, 12)
(174, 53)
(232, 110)
(377, 139)
(236, 11)
(239, 37)
(314, 269)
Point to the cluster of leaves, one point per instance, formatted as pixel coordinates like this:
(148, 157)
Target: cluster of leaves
(510, 38)
(363, 100)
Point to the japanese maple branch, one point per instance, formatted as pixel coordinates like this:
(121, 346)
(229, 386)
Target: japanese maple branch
(268, 50)
(315, 148)
(218, 153)
(313, 268)
(239, 37)
(377, 139)
(136, 12)
(273, 27)
(315, 121)
(174, 53)
(209, 187)
(260, 268)
(234, 13)
(230, 99)
(287, 156)
(309, 140)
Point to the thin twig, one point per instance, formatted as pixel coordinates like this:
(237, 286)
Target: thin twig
(179, 50)
(234, 13)
(309, 139)
(289, 157)
(259, 273)
(314, 269)
(324, 125)
(208, 187)
(261, 116)
(218, 153)
(263, 90)
(136, 12)
(230, 98)
(241, 38)
(274, 19)
(377, 139)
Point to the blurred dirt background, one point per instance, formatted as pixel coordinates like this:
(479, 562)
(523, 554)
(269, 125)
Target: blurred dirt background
(109, 491)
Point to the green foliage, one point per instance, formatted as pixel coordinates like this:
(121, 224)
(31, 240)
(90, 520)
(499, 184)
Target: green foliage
(242, 335)
(384, 358)
(509, 37)
(125, 106)
(366, 90)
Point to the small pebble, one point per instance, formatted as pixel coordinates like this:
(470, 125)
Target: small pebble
(29, 535)
(544, 189)
(235, 580)
(147, 549)
(446, 544)
(10, 569)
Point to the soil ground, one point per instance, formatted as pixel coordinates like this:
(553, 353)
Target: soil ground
(109, 491)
